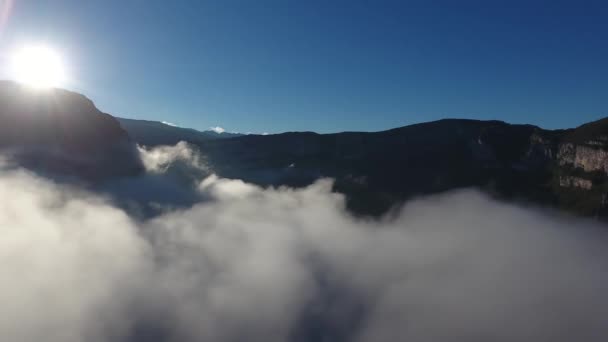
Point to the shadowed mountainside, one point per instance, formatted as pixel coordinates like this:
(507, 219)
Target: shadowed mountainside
(560, 168)
(60, 132)
(378, 170)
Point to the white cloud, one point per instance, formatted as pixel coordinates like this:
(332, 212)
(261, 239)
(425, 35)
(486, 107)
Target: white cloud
(217, 129)
(284, 265)
(68, 261)
(169, 124)
(161, 158)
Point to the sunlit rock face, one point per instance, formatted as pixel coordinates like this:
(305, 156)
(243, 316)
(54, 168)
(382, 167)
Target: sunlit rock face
(587, 157)
(61, 132)
(586, 147)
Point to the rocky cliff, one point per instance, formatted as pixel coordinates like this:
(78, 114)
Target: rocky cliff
(61, 132)
(587, 157)
(579, 165)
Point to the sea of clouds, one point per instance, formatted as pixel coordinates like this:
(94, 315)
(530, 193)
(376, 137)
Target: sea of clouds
(245, 263)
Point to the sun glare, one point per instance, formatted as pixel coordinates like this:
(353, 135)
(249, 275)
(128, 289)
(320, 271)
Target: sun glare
(38, 66)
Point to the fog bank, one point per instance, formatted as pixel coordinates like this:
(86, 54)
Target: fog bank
(253, 264)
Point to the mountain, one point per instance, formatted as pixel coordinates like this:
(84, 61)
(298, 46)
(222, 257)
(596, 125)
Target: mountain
(567, 169)
(60, 132)
(153, 133)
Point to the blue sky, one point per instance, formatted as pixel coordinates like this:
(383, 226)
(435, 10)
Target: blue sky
(327, 66)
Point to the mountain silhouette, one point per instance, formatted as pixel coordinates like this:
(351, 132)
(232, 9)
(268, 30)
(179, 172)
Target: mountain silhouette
(62, 132)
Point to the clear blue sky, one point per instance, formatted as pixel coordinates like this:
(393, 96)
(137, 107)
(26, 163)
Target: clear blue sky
(326, 66)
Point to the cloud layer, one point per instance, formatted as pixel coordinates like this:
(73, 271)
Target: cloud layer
(253, 264)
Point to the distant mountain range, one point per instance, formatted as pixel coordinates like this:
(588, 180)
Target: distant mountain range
(158, 133)
(566, 169)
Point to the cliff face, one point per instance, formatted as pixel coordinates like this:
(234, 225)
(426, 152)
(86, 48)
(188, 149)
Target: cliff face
(577, 160)
(588, 157)
(62, 132)
(585, 148)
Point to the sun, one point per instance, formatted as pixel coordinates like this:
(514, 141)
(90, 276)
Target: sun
(38, 67)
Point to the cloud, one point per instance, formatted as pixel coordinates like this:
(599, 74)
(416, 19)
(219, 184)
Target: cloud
(217, 129)
(68, 261)
(172, 176)
(281, 264)
(160, 159)
(169, 124)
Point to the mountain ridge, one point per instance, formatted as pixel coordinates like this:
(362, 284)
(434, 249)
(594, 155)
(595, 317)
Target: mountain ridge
(565, 168)
(64, 133)
(149, 132)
